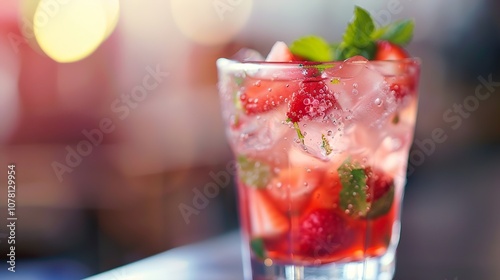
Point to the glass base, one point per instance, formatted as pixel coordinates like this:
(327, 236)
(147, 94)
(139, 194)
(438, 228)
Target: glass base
(380, 268)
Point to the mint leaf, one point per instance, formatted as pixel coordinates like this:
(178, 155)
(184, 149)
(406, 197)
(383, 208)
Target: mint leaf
(359, 30)
(382, 205)
(312, 48)
(399, 33)
(345, 51)
(257, 246)
(353, 193)
(253, 173)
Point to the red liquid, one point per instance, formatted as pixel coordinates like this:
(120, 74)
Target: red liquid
(360, 238)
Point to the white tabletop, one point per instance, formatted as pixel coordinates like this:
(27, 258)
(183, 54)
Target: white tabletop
(214, 259)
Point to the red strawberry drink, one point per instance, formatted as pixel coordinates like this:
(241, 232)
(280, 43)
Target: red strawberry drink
(321, 149)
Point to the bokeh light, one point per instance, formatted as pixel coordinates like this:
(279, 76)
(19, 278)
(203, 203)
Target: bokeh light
(69, 31)
(211, 22)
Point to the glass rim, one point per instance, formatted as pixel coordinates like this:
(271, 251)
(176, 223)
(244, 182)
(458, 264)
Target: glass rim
(242, 65)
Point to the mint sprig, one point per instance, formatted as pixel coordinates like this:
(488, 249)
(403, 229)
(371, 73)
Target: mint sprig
(353, 194)
(359, 30)
(359, 38)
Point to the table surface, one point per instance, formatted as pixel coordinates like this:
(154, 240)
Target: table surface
(214, 259)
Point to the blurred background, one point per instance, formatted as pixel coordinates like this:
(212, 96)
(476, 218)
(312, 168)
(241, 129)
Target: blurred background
(109, 110)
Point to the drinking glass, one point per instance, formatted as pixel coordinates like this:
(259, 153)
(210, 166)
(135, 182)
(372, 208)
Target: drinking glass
(321, 152)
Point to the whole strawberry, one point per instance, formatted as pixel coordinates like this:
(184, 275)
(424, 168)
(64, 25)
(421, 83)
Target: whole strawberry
(312, 100)
(322, 232)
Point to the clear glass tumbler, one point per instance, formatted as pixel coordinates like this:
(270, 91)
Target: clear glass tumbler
(322, 152)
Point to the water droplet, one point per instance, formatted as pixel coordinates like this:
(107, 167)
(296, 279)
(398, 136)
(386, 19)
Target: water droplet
(308, 170)
(355, 85)
(306, 184)
(287, 85)
(329, 133)
(355, 91)
(269, 89)
(257, 83)
(347, 211)
(378, 102)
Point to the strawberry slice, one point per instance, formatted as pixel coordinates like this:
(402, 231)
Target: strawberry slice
(292, 187)
(379, 192)
(322, 232)
(402, 85)
(263, 95)
(377, 184)
(265, 219)
(280, 53)
(327, 194)
(312, 100)
(389, 51)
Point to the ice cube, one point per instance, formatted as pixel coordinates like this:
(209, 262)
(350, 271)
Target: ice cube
(364, 97)
(348, 69)
(323, 140)
(261, 132)
(248, 55)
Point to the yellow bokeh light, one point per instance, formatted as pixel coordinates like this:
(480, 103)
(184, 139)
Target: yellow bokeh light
(70, 30)
(211, 22)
